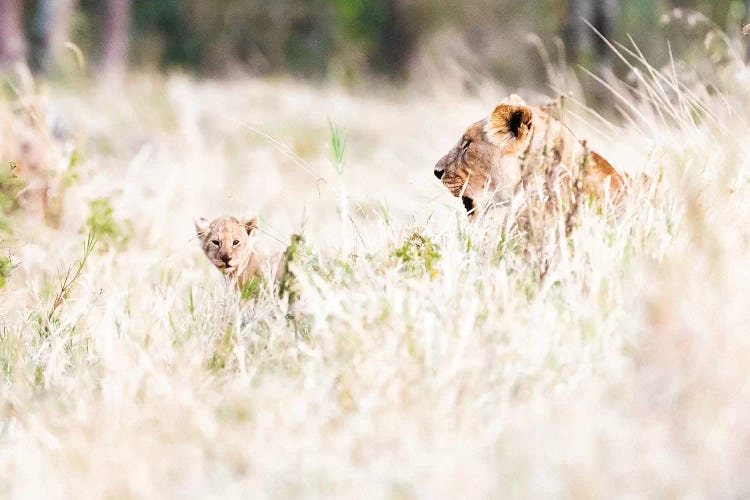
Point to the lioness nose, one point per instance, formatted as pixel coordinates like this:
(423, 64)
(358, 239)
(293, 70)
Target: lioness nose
(439, 173)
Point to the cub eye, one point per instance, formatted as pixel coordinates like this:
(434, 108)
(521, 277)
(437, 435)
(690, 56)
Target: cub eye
(215, 242)
(235, 243)
(465, 144)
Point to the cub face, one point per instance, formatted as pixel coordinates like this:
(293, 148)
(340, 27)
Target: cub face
(227, 241)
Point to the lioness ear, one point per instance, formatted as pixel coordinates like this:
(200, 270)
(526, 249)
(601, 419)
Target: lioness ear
(512, 119)
(251, 225)
(201, 225)
(516, 100)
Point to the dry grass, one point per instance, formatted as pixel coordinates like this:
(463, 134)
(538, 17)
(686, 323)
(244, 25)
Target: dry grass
(438, 363)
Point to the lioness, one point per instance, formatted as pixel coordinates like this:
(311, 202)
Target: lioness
(496, 156)
(228, 243)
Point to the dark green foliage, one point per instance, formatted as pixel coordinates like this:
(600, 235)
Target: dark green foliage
(353, 38)
(361, 20)
(296, 254)
(10, 186)
(251, 289)
(262, 37)
(102, 223)
(157, 23)
(5, 268)
(419, 253)
(297, 257)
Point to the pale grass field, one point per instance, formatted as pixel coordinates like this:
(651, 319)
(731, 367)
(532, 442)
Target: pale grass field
(623, 373)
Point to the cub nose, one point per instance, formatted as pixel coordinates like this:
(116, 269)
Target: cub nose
(439, 173)
(225, 259)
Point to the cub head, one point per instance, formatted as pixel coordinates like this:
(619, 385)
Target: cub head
(227, 241)
(485, 164)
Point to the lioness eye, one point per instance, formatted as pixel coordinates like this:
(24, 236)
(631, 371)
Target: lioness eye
(466, 143)
(236, 242)
(215, 242)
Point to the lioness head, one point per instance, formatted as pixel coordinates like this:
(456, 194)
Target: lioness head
(485, 164)
(227, 241)
(497, 155)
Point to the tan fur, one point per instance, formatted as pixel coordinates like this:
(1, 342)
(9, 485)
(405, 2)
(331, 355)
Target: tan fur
(228, 243)
(496, 156)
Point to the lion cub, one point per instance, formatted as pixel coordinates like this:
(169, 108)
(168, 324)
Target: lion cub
(229, 244)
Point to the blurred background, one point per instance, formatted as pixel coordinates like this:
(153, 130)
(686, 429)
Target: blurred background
(612, 358)
(351, 42)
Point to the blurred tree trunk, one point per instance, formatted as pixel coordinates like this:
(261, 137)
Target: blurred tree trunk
(12, 43)
(50, 31)
(573, 32)
(747, 20)
(604, 16)
(116, 23)
(398, 39)
(584, 45)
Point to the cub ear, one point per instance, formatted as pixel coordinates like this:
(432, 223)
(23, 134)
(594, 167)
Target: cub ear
(515, 120)
(251, 225)
(201, 225)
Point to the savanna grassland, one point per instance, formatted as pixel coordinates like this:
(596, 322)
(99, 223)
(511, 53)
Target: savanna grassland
(594, 355)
